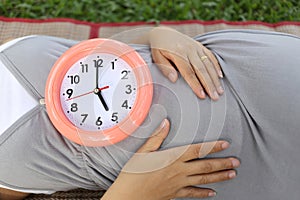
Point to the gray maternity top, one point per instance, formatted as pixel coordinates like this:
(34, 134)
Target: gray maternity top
(259, 114)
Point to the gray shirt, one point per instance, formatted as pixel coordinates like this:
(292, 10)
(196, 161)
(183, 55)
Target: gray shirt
(259, 114)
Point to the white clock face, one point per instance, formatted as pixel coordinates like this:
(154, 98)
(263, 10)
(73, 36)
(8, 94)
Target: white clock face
(98, 92)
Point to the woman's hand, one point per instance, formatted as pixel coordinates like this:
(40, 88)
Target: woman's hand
(197, 65)
(172, 173)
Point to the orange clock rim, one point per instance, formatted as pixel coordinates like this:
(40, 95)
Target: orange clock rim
(135, 117)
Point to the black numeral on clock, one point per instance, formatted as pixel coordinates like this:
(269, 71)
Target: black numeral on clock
(84, 68)
(125, 74)
(99, 122)
(113, 64)
(114, 117)
(69, 93)
(98, 62)
(74, 107)
(75, 79)
(125, 105)
(129, 89)
(84, 117)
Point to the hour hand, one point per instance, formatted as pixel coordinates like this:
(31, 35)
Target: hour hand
(98, 93)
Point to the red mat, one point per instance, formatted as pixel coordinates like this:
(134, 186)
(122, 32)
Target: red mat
(81, 30)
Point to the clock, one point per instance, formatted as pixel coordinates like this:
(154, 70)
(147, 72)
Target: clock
(98, 92)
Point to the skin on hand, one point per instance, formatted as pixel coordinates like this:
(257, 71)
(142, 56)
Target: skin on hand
(173, 50)
(162, 175)
(11, 195)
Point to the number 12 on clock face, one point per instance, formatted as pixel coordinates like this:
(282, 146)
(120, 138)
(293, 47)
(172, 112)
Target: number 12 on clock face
(98, 91)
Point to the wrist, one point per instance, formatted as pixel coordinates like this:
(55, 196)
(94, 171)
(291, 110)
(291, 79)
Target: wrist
(117, 192)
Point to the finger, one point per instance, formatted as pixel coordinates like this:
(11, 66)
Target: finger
(203, 75)
(211, 165)
(195, 192)
(211, 178)
(214, 61)
(187, 72)
(164, 65)
(202, 149)
(157, 138)
(213, 74)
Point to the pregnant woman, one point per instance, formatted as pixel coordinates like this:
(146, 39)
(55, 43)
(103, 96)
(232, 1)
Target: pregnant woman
(258, 114)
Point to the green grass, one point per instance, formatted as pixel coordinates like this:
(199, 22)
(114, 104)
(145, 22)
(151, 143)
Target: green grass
(153, 10)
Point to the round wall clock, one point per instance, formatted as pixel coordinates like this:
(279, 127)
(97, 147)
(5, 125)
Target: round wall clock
(98, 92)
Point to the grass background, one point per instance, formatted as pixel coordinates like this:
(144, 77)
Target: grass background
(153, 10)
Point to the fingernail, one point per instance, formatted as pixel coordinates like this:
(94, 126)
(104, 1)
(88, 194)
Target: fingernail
(235, 162)
(212, 194)
(220, 74)
(225, 145)
(215, 95)
(221, 90)
(163, 123)
(172, 76)
(231, 174)
(202, 93)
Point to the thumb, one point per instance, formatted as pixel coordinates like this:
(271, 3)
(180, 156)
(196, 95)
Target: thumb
(156, 139)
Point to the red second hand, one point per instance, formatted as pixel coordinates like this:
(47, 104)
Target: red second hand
(103, 88)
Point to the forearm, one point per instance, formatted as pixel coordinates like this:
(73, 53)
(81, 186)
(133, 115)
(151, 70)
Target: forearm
(11, 195)
(148, 34)
(143, 37)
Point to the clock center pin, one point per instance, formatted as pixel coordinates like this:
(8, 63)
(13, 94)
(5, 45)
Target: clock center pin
(96, 90)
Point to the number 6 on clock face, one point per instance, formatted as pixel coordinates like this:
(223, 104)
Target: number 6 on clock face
(98, 92)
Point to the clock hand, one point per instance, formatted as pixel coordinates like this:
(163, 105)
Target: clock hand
(79, 95)
(98, 93)
(103, 88)
(97, 76)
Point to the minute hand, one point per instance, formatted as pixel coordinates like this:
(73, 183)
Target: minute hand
(97, 76)
(97, 91)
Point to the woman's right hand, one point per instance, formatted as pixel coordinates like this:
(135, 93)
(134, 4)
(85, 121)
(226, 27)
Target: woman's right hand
(172, 51)
(162, 175)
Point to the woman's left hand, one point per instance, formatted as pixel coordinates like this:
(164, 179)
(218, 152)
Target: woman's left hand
(197, 65)
(173, 173)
